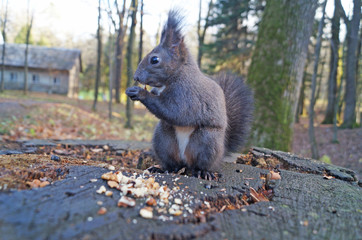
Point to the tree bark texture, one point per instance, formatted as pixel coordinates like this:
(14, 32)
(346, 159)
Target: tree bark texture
(332, 79)
(349, 115)
(99, 56)
(277, 67)
(131, 41)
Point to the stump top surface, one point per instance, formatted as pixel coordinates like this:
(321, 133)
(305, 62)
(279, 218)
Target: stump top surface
(305, 205)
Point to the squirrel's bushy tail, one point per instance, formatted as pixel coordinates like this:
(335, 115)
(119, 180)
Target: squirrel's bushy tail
(239, 107)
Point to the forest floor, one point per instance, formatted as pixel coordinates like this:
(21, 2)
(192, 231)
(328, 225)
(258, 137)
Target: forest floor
(43, 116)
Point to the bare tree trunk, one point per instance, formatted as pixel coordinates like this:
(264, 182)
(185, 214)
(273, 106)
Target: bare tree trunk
(349, 116)
(201, 33)
(99, 57)
(335, 110)
(121, 32)
(276, 71)
(140, 46)
(321, 73)
(5, 19)
(131, 40)
(332, 80)
(111, 70)
(300, 107)
(312, 139)
(28, 31)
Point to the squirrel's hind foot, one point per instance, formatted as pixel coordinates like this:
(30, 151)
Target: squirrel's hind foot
(203, 174)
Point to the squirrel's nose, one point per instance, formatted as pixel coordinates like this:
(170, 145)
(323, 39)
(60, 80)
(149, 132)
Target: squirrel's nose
(136, 78)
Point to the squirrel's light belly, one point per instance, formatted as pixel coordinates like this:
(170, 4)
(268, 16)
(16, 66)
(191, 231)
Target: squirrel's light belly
(183, 136)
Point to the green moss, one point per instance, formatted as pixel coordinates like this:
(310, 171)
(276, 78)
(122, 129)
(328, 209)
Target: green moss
(271, 76)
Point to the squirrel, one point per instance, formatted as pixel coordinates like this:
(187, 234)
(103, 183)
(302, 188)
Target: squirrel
(201, 119)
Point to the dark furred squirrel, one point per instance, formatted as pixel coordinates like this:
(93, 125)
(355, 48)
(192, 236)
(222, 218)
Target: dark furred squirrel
(201, 119)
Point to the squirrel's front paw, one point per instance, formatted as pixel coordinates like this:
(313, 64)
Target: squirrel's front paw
(136, 93)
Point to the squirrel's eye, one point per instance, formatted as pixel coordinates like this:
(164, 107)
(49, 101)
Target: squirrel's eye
(155, 60)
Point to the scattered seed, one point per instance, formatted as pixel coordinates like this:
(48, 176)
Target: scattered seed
(146, 212)
(101, 190)
(109, 193)
(126, 202)
(112, 184)
(151, 202)
(102, 211)
(175, 212)
(273, 175)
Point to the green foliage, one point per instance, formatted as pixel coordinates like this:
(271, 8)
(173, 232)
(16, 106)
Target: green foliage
(233, 41)
(5, 127)
(20, 38)
(326, 159)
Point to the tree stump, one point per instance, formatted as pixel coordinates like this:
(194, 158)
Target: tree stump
(312, 200)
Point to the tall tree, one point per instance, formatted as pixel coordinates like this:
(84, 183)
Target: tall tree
(353, 26)
(140, 46)
(28, 32)
(306, 78)
(111, 71)
(131, 41)
(201, 31)
(121, 33)
(277, 69)
(332, 79)
(233, 42)
(3, 32)
(339, 92)
(99, 58)
(311, 134)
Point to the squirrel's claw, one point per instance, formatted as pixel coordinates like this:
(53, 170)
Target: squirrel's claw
(203, 174)
(155, 169)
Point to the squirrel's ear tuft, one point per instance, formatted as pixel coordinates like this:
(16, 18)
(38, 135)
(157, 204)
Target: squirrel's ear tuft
(172, 37)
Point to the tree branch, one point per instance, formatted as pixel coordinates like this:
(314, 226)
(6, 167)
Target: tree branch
(342, 12)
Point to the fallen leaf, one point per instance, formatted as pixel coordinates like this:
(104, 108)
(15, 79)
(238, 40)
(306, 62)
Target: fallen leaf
(257, 197)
